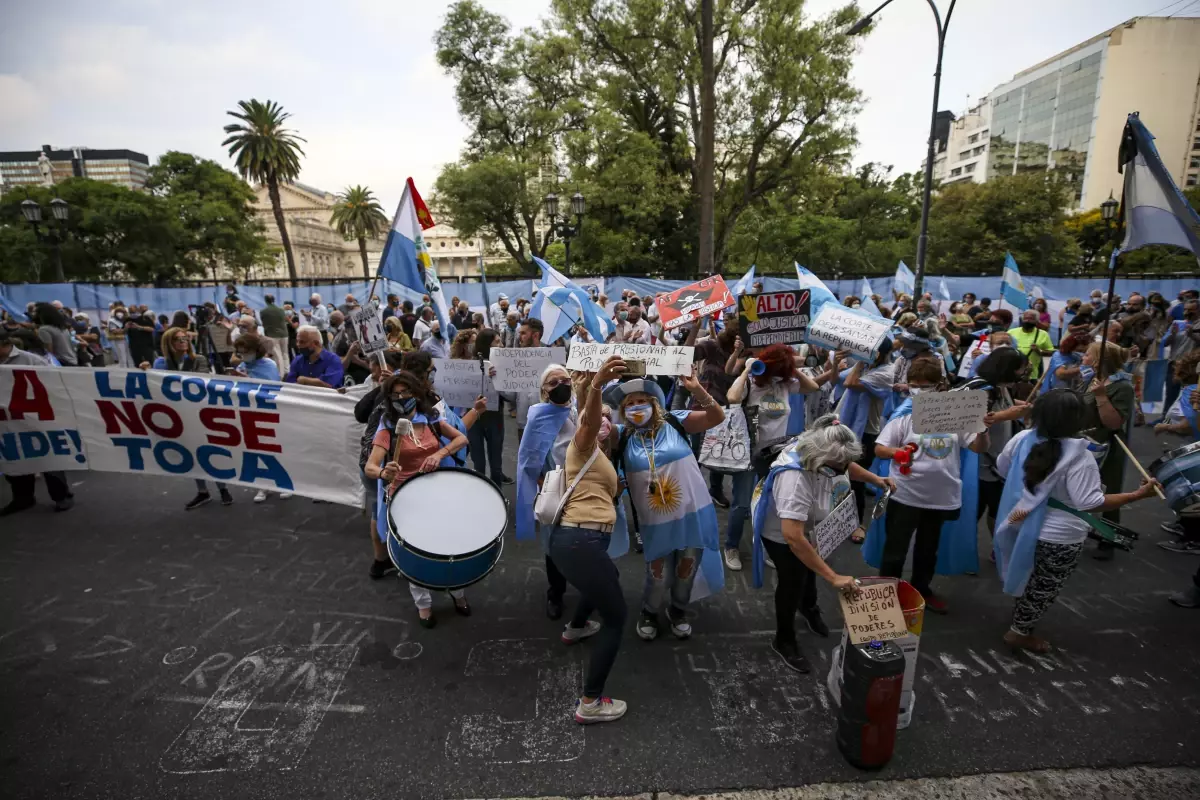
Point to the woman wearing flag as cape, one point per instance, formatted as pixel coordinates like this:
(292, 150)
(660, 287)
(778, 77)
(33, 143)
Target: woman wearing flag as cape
(1052, 476)
(805, 484)
(670, 496)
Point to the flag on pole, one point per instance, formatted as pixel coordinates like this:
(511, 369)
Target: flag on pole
(904, 282)
(945, 291)
(818, 292)
(561, 304)
(743, 285)
(1013, 288)
(1153, 208)
(487, 300)
(868, 302)
(405, 258)
(867, 291)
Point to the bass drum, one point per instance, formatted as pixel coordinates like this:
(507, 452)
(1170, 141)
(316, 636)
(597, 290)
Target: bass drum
(1179, 473)
(446, 528)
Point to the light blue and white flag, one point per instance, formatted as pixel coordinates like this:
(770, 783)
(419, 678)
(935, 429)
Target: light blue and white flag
(818, 292)
(867, 291)
(405, 258)
(561, 304)
(943, 289)
(867, 304)
(1154, 210)
(743, 285)
(1013, 288)
(904, 282)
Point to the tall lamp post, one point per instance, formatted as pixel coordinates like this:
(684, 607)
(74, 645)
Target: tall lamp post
(562, 227)
(927, 189)
(1108, 210)
(60, 212)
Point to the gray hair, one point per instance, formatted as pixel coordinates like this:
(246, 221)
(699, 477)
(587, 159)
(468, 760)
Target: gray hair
(313, 329)
(315, 296)
(827, 441)
(546, 374)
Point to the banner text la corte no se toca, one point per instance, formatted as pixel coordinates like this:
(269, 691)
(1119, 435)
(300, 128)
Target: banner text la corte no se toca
(275, 436)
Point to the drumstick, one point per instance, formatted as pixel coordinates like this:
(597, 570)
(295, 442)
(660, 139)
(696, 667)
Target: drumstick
(1139, 466)
(1037, 385)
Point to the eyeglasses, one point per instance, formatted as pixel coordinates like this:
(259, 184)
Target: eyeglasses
(557, 382)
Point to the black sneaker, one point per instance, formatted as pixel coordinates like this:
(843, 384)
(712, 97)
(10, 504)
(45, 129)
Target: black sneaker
(1186, 548)
(66, 504)
(554, 607)
(202, 499)
(791, 656)
(1173, 528)
(15, 507)
(719, 499)
(815, 623)
(503, 480)
(226, 498)
(381, 569)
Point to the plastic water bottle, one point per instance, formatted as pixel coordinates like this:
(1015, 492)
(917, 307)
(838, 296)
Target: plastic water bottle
(872, 680)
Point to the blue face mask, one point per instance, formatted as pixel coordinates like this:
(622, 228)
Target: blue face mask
(622, 315)
(404, 407)
(639, 415)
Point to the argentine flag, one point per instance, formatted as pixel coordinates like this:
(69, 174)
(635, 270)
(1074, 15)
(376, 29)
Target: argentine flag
(904, 282)
(405, 258)
(561, 304)
(1154, 209)
(945, 291)
(1013, 288)
(818, 292)
(743, 286)
(867, 304)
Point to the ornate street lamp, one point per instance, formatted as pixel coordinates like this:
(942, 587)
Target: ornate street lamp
(60, 211)
(562, 227)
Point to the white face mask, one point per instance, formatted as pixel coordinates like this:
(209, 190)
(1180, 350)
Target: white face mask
(916, 390)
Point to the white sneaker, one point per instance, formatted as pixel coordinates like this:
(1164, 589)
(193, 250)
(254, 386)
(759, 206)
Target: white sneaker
(647, 627)
(680, 628)
(603, 709)
(733, 559)
(767, 560)
(284, 495)
(572, 635)
(260, 495)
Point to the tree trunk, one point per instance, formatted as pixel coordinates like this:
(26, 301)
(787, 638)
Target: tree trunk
(285, 240)
(362, 251)
(707, 138)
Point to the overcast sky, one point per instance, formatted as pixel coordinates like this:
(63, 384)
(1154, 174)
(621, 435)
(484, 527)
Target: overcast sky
(363, 86)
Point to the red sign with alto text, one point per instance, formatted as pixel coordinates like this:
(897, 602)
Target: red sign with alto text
(696, 300)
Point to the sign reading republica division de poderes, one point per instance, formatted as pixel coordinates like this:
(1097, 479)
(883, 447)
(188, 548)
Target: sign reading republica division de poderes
(275, 436)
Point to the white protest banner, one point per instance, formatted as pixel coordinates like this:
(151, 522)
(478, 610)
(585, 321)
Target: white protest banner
(367, 328)
(459, 381)
(830, 532)
(874, 614)
(839, 328)
(519, 369)
(274, 436)
(660, 359)
(974, 352)
(949, 412)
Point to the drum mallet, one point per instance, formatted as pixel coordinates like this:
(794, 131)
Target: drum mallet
(1037, 385)
(1139, 466)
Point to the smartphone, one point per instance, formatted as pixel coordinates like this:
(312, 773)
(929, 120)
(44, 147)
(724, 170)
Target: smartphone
(635, 367)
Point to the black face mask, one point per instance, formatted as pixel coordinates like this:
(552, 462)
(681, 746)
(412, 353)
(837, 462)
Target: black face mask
(307, 352)
(995, 328)
(404, 407)
(560, 394)
(1027, 326)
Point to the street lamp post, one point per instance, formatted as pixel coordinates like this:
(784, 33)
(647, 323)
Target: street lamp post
(1108, 210)
(927, 189)
(563, 228)
(61, 212)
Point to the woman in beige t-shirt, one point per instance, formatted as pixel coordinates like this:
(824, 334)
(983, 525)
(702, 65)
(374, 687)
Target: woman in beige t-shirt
(579, 548)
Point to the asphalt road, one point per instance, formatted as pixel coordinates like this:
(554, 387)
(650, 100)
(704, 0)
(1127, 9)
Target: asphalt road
(149, 652)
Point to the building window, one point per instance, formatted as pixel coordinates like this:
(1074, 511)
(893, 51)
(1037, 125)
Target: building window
(974, 137)
(978, 151)
(443, 244)
(1191, 179)
(956, 171)
(964, 154)
(458, 244)
(1196, 143)
(969, 167)
(470, 244)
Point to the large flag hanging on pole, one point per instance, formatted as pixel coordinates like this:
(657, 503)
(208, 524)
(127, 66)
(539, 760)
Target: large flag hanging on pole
(405, 258)
(1012, 289)
(561, 304)
(818, 292)
(904, 282)
(1152, 207)
(868, 303)
(944, 289)
(743, 285)
(487, 300)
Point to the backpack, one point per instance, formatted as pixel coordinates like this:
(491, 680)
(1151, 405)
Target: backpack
(618, 458)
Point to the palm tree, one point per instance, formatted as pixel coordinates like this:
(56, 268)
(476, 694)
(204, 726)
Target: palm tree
(265, 151)
(357, 215)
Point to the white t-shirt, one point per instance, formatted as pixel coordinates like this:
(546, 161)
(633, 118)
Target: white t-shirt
(877, 378)
(421, 332)
(770, 404)
(1077, 484)
(934, 481)
(804, 496)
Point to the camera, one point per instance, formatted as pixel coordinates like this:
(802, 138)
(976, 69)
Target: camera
(635, 367)
(202, 314)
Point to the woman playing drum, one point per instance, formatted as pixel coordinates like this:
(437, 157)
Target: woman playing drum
(407, 443)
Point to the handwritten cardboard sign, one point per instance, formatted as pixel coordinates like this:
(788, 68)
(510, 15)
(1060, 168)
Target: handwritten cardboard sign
(459, 381)
(366, 328)
(660, 360)
(839, 328)
(830, 532)
(694, 301)
(949, 412)
(519, 369)
(773, 318)
(874, 614)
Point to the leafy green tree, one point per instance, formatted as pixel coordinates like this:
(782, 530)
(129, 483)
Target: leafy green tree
(216, 211)
(267, 152)
(358, 215)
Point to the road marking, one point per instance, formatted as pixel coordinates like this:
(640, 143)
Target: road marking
(226, 705)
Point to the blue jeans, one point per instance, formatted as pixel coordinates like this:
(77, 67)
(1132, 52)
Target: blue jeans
(677, 568)
(487, 433)
(739, 506)
(581, 555)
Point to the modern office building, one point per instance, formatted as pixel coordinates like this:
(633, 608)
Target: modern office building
(48, 166)
(1067, 113)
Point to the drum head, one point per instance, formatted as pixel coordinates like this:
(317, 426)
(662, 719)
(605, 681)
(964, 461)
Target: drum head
(448, 512)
